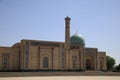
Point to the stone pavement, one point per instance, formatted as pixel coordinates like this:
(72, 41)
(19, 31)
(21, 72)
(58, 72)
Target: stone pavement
(63, 78)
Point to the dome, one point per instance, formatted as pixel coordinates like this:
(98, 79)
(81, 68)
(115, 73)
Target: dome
(77, 39)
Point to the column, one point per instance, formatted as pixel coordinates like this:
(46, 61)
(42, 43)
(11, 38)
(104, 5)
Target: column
(38, 57)
(82, 59)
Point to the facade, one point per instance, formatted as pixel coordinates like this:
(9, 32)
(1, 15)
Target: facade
(49, 55)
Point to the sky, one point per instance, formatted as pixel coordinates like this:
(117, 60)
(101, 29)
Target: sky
(98, 21)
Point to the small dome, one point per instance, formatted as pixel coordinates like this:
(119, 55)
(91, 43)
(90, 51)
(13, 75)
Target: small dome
(77, 39)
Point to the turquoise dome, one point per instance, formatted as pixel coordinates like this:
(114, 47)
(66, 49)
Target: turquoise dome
(77, 39)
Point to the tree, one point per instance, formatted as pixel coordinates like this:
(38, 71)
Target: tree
(117, 67)
(110, 63)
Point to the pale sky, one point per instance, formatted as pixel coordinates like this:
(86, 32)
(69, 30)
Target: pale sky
(98, 21)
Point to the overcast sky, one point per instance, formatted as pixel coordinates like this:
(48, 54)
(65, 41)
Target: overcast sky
(98, 21)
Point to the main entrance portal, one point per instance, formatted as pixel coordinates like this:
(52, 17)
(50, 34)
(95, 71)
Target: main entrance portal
(88, 64)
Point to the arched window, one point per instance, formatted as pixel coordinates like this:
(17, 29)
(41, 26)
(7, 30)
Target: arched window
(5, 61)
(45, 62)
(101, 63)
(88, 64)
(74, 62)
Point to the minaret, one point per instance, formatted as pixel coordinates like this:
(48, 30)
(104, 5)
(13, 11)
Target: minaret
(67, 32)
(67, 41)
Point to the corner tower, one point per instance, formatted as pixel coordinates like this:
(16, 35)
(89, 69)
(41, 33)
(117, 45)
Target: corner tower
(67, 32)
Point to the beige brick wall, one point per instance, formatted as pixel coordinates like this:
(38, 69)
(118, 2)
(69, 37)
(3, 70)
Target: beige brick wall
(74, 53)
(102, 55)
(45, 52)
(33, 57)
(91, 54)
(37, 53)
(13, 57)
(56, 58)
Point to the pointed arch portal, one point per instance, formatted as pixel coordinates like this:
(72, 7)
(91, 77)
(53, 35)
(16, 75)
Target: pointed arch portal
(45, 62)
(88, 64)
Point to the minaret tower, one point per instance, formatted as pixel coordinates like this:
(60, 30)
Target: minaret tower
(67, 41)
(67, 32)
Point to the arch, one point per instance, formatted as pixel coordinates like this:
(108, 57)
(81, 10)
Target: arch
(101, 66)
(5, 61)
(101, 63)
(88, 64)
(74, 62)
(45, 62)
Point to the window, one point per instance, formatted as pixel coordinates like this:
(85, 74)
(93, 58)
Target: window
(26, 55)
(63, 57)
(45, 62)
(101, 63)
(88, 64)
(5, 61)
(74, 62)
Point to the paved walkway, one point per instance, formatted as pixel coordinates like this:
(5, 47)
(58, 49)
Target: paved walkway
(88, 73)
(63, 78)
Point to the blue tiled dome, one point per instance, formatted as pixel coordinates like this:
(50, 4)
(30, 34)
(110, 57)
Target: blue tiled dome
(77, 39)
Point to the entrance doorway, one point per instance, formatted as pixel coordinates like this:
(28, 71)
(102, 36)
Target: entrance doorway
(88, 64)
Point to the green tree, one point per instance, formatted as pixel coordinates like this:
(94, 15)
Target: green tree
(110, 63)
(117, 67)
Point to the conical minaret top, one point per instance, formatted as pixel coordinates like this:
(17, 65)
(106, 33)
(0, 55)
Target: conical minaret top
(67, 31)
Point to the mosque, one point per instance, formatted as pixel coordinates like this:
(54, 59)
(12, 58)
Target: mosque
(52, 55)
